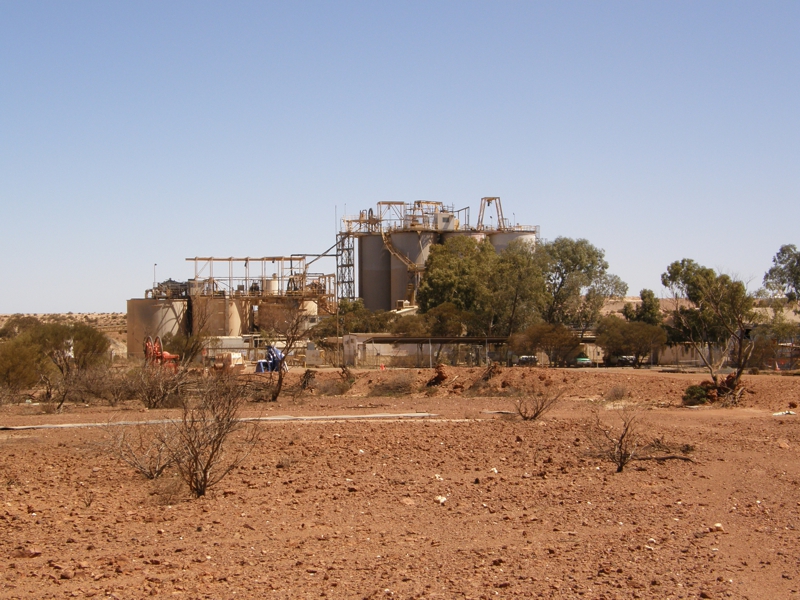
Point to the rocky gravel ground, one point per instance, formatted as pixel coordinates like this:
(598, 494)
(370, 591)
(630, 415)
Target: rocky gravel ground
(472, 503)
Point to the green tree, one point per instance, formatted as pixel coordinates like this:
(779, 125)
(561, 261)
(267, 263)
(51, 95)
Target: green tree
(576, 282)
(559, 342)
(20, 366)
(768, 338)
(517, 286)
(784, 275)
(70, 347)
(411, 326)
(712, 309)
(353, 317)
(446, 320)
(648, 311)
(56, 354)
(635, 338)
(459, 272)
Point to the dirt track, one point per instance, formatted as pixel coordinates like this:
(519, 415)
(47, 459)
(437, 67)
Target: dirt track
(352, 511)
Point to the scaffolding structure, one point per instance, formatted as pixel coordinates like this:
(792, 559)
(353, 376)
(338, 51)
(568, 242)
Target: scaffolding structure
(263, 277)
(345, 267)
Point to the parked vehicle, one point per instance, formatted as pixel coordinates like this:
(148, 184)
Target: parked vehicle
(527, 361)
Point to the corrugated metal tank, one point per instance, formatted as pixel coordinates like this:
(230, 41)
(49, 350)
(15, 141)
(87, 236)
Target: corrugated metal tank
(149, 316)
(502, 239)
(374, 273)
(415, 245)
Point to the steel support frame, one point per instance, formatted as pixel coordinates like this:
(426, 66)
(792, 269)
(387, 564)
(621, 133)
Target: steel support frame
(345, 266)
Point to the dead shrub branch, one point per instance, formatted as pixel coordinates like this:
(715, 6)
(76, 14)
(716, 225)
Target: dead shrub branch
(143, 447)
(200, 441)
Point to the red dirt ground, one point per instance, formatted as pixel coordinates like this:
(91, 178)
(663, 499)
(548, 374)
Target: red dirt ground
(352, 511)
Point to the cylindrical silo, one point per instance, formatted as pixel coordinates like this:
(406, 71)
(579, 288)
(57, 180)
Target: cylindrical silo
(209, 315)
(153, 317)
(271, 286)
(310, 308)
(415, 246)
(502, 239)
(233, 317)
(374, 273)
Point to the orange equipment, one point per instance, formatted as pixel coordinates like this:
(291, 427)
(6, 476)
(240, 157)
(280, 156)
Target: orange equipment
(154, 354)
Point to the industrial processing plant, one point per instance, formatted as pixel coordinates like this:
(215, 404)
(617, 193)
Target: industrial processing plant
(227, 297)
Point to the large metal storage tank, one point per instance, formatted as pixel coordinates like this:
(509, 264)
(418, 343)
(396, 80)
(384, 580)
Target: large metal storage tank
(269, 311)
(153, 317)
(310, 307)
(502, 239)
(235, 309)
(217, 316)
(374, 273)
(415, 245)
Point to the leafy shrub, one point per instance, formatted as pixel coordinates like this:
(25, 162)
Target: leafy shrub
(695, 395)
(20, 366)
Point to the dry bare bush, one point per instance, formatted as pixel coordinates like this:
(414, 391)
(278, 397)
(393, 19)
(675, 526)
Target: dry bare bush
(327, 387)
(160, 387)
(143, 447)
(616, 393)
(58, 389)
(395, 384)
(167, 490)
(308, 380)
(200, 442)
(492, 371)
(305, 386)
(107, 383)
(539, 401)
(284, 462)
(618, 443)
(260, 387)
(333, 387)
(49, 407)
(288, 322)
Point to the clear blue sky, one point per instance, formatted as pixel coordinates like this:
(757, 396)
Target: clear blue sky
(134, 133)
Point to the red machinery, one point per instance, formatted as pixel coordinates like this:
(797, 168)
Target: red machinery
(154, 354)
